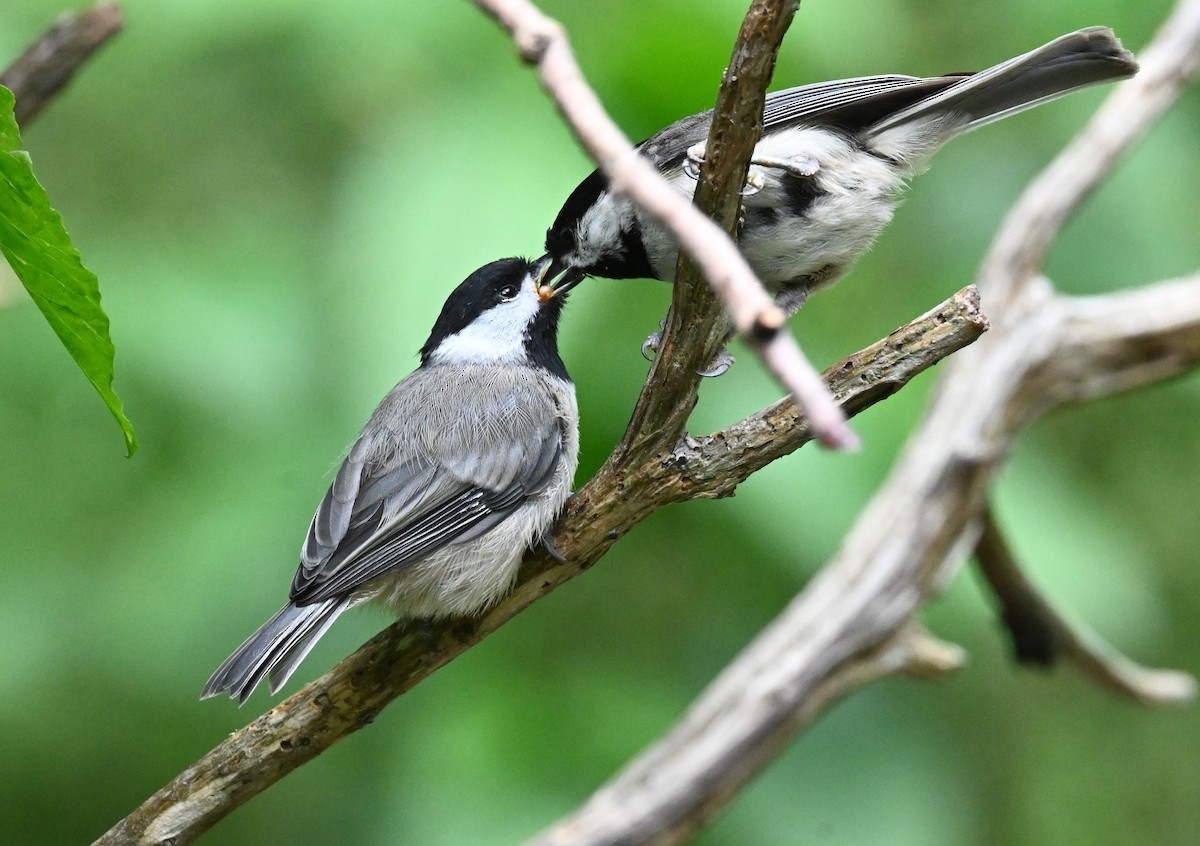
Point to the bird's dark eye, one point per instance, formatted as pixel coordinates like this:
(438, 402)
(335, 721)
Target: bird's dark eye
(509, 292)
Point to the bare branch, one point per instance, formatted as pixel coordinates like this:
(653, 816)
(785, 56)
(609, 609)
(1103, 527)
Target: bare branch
(851, 623)
(929, 657)
(543, 42)
(1041, 634)
(631, 808)
(46, 67)
(353, 693)
(1031, 623)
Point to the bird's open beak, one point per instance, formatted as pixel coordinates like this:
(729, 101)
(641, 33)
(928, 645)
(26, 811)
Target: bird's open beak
(561, 278)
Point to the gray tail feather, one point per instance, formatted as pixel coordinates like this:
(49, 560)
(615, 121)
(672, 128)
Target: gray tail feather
(275, 650)
(1088, 57)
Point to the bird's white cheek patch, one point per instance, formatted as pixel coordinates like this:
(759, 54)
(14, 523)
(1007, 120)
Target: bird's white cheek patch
(600, 228)
(498, 335)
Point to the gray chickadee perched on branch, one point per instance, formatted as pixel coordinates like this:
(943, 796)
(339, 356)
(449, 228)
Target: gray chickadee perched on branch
(465, 464)
(825, 176)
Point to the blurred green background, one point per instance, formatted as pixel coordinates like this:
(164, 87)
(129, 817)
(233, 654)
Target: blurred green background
(278, 195)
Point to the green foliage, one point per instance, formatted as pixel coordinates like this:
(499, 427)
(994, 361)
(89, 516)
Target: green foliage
(279, 195)
(40, 252)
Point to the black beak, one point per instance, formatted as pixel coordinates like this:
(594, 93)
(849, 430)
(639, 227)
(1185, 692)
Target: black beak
(563, 277)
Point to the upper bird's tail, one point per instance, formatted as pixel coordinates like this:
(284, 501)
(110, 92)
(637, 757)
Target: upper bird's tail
(1088, 57)
(275, 650)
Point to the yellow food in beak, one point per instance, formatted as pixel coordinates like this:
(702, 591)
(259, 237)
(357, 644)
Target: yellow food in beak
(545, 292)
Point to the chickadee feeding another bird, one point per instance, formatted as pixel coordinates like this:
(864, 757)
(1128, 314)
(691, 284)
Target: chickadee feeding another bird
(465, 464)
(824, 177)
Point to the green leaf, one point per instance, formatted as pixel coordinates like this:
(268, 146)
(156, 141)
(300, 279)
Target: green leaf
(36, 244)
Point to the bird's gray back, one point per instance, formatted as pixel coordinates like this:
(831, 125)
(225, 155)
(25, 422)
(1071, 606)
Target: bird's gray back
(490, 432)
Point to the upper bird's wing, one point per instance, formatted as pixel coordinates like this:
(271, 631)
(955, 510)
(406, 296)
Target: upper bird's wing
(852, 104)
(393, 503)
(1067, 63)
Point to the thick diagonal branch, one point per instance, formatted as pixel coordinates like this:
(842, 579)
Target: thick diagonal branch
(354, 692)
(851, 623)
(854, 621)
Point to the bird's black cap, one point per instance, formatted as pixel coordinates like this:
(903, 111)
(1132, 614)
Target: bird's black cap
(491, 286)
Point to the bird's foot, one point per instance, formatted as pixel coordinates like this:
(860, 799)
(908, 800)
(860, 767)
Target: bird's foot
(695, 158)
(653, 342)
(797, 166)
(720, 363)
(792, 298)
(551, 549)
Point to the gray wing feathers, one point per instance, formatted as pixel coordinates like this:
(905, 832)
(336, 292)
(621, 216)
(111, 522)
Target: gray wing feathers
(454, 487)
(854, 103)
(399, 485)
(541, 474)
(1073, 61)
(333, 515)
(824, 101)
(275, 649)
(387, 497)
(395, 546)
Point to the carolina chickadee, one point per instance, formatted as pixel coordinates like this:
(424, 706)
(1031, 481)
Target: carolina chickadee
(825, 176)
(464, 464)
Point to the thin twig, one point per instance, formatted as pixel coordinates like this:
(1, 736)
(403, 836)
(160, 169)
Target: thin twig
(356, 690)
(48, 64)
(543, 42)
(1041, 634)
